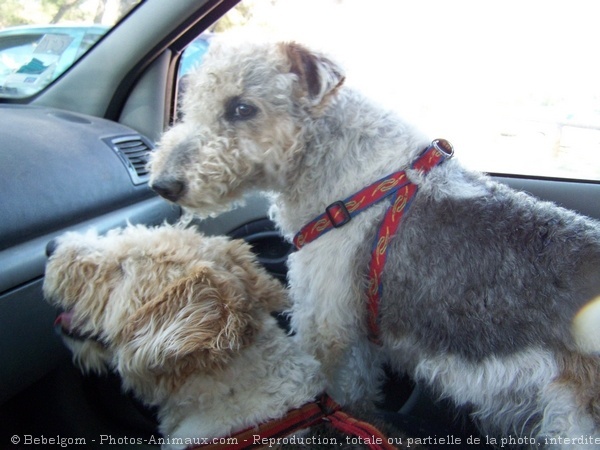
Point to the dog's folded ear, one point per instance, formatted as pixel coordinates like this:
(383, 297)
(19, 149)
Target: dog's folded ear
(318, 76)
(261, 287)
(198, 322)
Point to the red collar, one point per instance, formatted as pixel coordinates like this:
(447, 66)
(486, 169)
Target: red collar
(401, 191)
(322, 409)
(339, 213)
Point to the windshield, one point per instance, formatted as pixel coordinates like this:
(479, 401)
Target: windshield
(40, 39)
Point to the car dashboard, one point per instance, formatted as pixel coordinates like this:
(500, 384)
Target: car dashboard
(61, 171)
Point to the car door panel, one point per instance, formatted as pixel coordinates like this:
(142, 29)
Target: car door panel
(580, 196)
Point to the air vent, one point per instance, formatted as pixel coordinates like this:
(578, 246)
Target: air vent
(134, 151)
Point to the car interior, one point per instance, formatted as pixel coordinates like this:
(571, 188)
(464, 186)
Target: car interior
(73, 157)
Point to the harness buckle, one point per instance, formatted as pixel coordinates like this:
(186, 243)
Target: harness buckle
(444, 147)
(334, 210)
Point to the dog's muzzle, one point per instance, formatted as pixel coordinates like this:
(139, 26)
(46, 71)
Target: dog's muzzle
(169, 188)
(63, 325)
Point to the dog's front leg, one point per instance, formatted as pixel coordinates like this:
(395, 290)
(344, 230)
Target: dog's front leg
(328, 318)
(357, 380)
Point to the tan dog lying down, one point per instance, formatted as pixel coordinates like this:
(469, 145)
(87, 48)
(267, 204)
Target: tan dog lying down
(185, 321)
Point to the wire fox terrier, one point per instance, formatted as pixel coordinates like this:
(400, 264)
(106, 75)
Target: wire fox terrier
(482, 293)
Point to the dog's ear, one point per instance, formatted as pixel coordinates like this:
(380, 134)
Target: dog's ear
(318, 76)
(261, 287)
(198, 322)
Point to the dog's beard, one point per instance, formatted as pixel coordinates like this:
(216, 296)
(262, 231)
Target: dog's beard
(89, 354)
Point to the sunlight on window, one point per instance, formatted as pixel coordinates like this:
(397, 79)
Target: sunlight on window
(513, 84)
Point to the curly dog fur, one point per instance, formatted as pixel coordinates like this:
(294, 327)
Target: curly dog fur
(185, 321)
(482, 287)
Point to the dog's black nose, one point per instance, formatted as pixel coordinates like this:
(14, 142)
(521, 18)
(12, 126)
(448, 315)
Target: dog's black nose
(171, 189)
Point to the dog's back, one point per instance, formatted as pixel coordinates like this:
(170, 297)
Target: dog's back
(490, 275)
(480, 295)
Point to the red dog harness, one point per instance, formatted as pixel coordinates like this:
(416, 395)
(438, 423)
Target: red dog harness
(323, 409)
(400, 190)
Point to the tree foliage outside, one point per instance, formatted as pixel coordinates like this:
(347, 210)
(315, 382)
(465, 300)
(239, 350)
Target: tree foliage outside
(238, 16)
(28, 12)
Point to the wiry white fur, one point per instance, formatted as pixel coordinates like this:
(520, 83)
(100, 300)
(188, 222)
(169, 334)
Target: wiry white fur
(510, 397)
(326, 314)
(89, 356)
(564, 417)
(269, 378)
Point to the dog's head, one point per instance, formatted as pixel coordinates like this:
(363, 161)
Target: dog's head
(246, 113)
(157, 303)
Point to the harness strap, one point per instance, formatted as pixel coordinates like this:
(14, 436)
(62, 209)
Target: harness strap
(387, 230)
(341, 212)
(370, 435)
(401, 191)
(323, 409)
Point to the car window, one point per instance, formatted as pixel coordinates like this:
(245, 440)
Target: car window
(512, 84)
(40, 40)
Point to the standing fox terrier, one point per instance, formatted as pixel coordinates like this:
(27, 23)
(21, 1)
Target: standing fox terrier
(481, 292)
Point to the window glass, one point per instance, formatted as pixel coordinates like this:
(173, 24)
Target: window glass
(39, 40)
(513, 84)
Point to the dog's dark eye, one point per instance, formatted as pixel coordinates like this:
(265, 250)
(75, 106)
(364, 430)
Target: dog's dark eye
(239, 110)
(244, 111)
